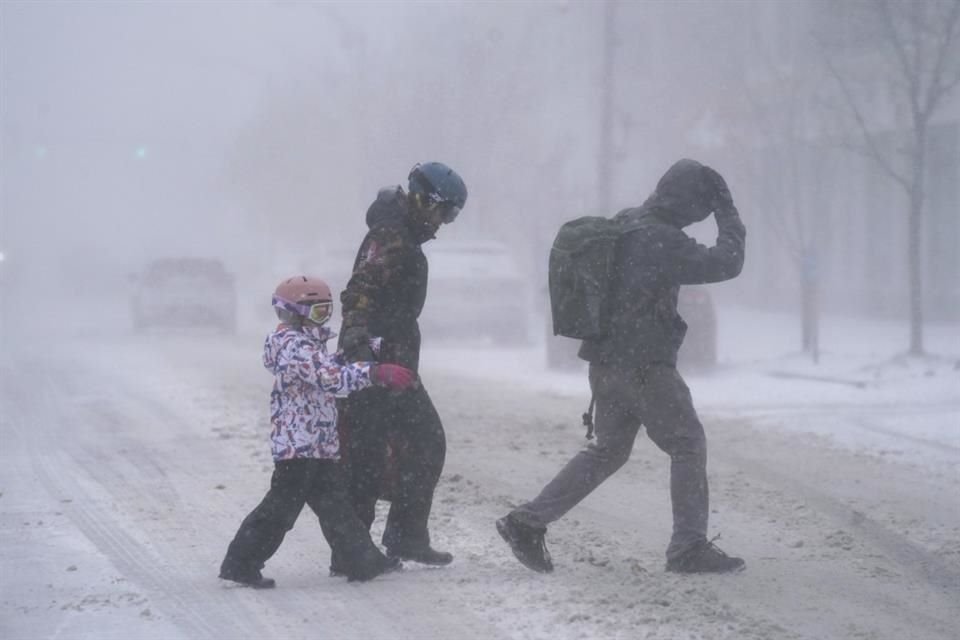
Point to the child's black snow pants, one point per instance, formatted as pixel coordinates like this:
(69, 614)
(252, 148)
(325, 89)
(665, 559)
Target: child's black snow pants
(322, 485)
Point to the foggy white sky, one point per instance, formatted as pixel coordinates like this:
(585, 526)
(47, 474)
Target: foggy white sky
(247, 130)
(124, 118)
(88, 88)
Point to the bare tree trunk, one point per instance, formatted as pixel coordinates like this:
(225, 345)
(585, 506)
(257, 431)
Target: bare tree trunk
(605, 160)
(915, 273)
(915, 235)
(810, 308)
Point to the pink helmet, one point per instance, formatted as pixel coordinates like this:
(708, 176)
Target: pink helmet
(303, 290)
(303, 297)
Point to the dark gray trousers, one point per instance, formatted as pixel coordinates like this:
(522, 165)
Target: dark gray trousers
(657, 398)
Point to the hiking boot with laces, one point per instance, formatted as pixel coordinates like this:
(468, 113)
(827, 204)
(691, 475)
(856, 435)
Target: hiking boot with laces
(705, 557)
(527, 543)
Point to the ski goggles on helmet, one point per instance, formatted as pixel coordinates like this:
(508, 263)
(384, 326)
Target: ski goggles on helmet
(448, 211)
(421, 184)
(318, 312)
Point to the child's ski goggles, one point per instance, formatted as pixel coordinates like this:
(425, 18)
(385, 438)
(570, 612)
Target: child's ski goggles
(318, 312)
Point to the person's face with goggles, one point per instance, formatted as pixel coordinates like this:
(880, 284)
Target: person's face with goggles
(315, 312)
(447, 212)
(440, 212)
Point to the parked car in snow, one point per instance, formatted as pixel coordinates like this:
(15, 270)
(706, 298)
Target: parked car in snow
(476, 289)
(699, 348)
(184, 292)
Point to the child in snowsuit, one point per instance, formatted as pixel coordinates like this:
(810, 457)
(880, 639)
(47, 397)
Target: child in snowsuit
(305, 444)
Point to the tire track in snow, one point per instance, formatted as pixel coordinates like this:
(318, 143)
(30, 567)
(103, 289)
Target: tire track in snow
(909, 556)
(169, 589)
(925, 442)
(854, 415)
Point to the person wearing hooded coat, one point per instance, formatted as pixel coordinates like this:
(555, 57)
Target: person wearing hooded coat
(633, 370)
(383, 298)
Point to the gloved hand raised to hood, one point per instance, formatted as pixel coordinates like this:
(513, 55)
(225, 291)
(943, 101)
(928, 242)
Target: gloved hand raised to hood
(688, 192)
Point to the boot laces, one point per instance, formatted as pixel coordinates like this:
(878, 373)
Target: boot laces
(710, 547)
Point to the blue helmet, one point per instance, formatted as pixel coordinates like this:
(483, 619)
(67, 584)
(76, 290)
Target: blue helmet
(438, 183)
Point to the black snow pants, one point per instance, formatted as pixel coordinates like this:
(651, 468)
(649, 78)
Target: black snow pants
(322, 485)
(656, 397)
(409, 421)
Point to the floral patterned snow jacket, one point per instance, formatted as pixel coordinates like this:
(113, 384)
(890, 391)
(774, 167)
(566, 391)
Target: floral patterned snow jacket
(308, 380)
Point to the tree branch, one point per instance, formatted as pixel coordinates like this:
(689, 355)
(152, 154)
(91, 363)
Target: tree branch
(875, 152)
(939, 87)
(909, 68)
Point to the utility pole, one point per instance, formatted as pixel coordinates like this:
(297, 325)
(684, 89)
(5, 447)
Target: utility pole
(605, 160)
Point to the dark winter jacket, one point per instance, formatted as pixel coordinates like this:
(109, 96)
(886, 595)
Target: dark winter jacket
(388, 287)
(657, 258)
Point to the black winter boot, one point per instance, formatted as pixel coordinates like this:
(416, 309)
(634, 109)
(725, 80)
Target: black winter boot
(338, 568)
(250, 576)
(383, 565)
(706, 557)
(423, 555)
(527, 543)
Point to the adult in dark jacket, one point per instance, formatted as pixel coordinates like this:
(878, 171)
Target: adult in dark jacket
(383, 299)
(633, 374)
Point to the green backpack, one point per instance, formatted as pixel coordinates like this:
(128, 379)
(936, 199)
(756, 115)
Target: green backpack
(581, 273)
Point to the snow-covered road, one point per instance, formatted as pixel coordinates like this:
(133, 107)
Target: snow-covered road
(128, 462)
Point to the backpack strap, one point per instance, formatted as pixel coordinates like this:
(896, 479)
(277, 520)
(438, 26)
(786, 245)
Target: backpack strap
(588, 417)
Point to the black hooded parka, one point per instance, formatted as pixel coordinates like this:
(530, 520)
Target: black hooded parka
(654, 260)
(384, 296)
(388, 287)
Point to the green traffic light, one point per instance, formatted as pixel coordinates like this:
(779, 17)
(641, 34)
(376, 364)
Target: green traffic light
(141, 153)
(40, 152)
